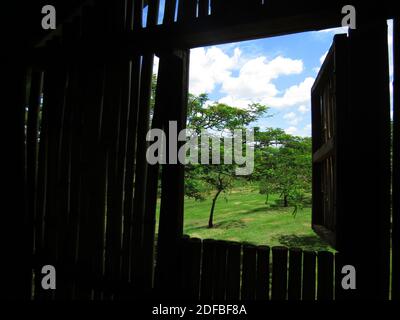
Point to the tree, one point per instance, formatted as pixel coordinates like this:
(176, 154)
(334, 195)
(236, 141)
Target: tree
(285, 169)
(221, 118)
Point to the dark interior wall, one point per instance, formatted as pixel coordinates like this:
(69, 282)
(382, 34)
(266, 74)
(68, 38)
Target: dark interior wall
(28, 29)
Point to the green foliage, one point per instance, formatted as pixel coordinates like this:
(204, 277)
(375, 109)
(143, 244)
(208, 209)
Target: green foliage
(219, 116)
(285, 168)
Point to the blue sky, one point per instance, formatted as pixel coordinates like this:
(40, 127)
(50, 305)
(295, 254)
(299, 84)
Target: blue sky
(277, 72)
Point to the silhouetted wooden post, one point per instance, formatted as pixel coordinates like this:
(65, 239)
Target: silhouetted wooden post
(141, 161)
(263, 273)
(309, 272)
(325, 276)
(207, 268)
(32, 145)
(279, 273)
(53, 105)
(233, 271)
(14, 243)
(396, 163)
(203, 8)
(249, 272)
(127, 268)
(191, 269)
(220, 270)
(294, 282)
(172, 185)
(367, 44)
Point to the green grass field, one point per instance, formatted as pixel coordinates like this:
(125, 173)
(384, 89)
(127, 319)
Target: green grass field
(243, 216)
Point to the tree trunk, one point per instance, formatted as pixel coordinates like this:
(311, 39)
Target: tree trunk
(285, 201)
(210, 220)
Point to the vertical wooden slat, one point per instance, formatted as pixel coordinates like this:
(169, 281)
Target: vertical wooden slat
(137, 14)
(54, 90)
(153, 180)
(233, 271)
(249, 272)
(169, 11)
(113, 108)
(396, 163)
(340, 293)
(13, 239)
(130, 167)
(141, 168)
(220, 272)
(172, 198)
(153, 11)
(92, 77)
(262, 284)
(294, 281)
(208, 261)
(187, 10)
(64, 172)
(279, 273)
(217, 7)
(98, 174)
(74, 98)
(192, 257)
(141, 162)
(184, 267)
(325, 276)
(32, 150)
(309, 275)
(203, 8)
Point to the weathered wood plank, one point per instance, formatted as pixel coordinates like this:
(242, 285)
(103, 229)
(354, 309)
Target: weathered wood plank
(32, 143)
(396, 164)
(325, 276)
(203, 8)
(169, 11)
(294, 281)
(220, 270)
(309, 275)
(263, 273)
(279, 273)
(249, 273)
(172, 198)
(207, 275)
(187, 10)
(233, 271)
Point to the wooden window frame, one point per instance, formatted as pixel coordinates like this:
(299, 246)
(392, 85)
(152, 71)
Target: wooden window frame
(328, 134)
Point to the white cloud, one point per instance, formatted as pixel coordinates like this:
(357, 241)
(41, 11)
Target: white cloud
(254, 81)
(303, 109)
(294, 95)
(210, 67)
(291, 130)
(292, 118)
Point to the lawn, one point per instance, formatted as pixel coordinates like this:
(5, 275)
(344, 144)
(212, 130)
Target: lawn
(243, 216)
